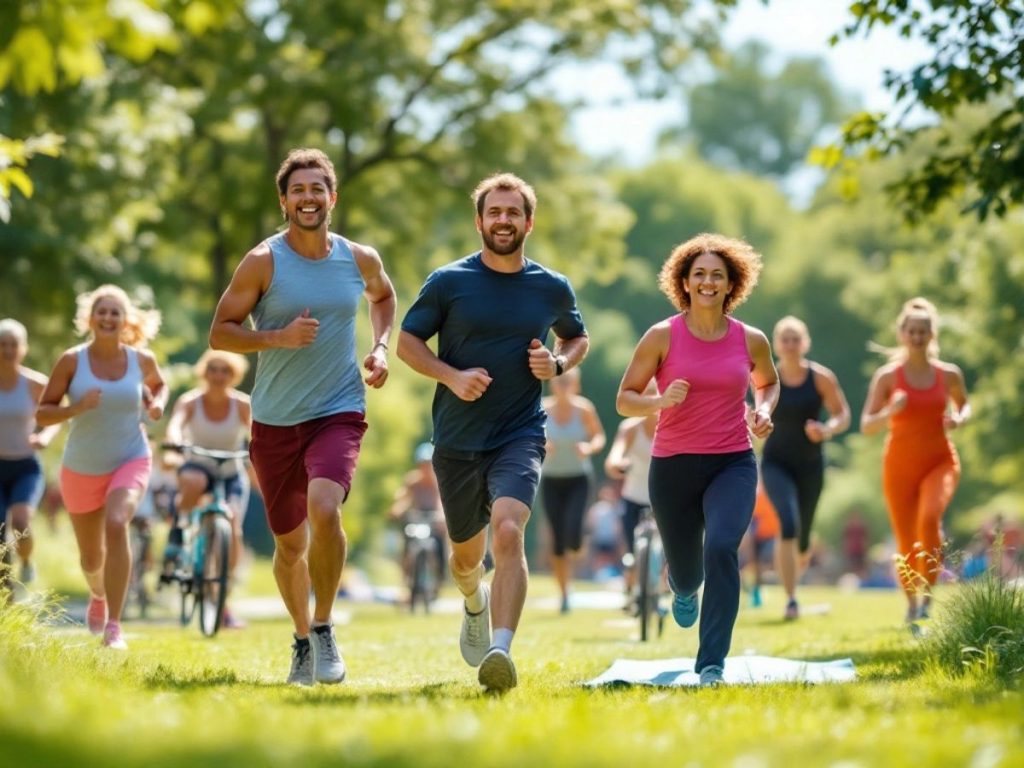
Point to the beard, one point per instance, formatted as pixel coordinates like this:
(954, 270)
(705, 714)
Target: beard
(323, 216)
(504, 250)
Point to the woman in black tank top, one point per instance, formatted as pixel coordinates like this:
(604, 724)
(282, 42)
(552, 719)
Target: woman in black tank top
(792, 465)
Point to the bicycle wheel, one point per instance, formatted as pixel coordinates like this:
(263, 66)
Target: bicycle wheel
(212, 582)
(644, 585)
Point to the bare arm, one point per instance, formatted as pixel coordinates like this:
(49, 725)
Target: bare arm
(50, 410)
(467, 385)
(616, 464)
(877, 406)
(647, 358)
(181, 415)
(834, 400)
(957, 390)
(154, 389)
(36, 386)
(542, 360)
(765, 380)
(380, 294)
(229, 330)
(596, 438)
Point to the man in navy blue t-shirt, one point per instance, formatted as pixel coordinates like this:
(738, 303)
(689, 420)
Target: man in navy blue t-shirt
(491, 312)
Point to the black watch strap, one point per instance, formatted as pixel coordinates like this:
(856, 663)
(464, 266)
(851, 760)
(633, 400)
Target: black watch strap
(559, 365)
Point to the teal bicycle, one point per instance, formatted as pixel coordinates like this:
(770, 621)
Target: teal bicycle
(197, 556)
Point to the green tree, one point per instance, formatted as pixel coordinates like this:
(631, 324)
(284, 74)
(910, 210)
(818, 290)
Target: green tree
(749, 117)
(976, 59)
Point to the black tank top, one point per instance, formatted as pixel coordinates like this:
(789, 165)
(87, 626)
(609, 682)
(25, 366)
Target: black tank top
(788, 442)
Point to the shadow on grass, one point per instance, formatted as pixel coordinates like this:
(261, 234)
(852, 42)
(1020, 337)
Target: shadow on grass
(344, 696)
(164, 678)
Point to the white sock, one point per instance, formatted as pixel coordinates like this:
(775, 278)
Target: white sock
(502, 638)
(316, 624)
(476, 602)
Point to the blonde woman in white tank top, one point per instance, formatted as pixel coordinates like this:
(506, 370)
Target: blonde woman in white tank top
(218, 417)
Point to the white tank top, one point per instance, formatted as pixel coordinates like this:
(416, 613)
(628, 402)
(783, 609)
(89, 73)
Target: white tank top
(634, 487)
(17, 421)
(224, 435)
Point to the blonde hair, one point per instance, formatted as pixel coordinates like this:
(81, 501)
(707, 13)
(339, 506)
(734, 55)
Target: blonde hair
(742, 264)
(916, 308)
(795, 324)
(11, 327)
(238, 364)
(140, 325)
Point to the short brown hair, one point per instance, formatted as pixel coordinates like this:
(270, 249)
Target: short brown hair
(742, 264)
(306, 157)
(509, 182)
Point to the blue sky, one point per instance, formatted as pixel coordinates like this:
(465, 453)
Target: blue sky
(617, 124)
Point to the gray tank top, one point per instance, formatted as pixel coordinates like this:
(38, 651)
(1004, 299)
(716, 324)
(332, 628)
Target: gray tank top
(298, 385)
(563, 461)
(105, 438)
(17, 421)
(224, 435)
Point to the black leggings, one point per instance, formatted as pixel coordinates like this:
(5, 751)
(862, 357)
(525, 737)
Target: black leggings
(794, 489)
(565, 503)
(703, 504)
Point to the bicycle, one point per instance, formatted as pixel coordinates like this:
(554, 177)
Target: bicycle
(421, 554)
(199, 562)
(649, 561)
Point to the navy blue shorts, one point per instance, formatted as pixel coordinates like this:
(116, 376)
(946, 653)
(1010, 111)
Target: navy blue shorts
(21, 482)
(470, 481)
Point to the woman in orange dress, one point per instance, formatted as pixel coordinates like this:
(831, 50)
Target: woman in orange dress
(921, 398)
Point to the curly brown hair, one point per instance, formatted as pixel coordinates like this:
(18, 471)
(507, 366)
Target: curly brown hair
(742, 264)
(306, 157)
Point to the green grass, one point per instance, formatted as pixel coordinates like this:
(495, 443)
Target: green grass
(178, 699)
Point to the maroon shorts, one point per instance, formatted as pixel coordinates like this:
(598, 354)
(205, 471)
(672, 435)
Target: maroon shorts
(287, 458)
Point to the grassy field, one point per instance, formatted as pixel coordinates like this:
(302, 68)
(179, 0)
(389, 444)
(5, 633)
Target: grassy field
(178, 699)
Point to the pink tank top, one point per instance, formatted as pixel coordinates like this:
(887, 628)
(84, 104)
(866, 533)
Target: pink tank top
(712, 417)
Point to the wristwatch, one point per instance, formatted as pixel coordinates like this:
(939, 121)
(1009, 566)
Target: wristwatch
(559, 365)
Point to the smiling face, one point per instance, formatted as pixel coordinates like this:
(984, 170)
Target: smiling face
(218, 374)
(708, 282)
(503, 225)
(107, 318)
(790, 344)
(916, 333)
(308, 199)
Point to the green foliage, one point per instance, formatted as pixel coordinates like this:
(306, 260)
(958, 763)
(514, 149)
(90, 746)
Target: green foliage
(750, 118)
(980, 629)
(975, 50)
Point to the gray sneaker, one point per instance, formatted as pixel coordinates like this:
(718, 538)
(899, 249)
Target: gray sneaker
(475, 638)
(497, 672)
(28, 573)
(302, 663)
(711, 677)
(328, 665)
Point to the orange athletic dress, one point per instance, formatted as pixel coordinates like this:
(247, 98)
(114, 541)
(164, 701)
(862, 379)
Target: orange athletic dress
(920, 473)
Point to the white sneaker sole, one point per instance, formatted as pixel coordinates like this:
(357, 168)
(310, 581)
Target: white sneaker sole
(497, 672)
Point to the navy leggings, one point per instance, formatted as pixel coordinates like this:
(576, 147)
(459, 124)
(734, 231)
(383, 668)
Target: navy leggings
(794, 489)
(703, 504)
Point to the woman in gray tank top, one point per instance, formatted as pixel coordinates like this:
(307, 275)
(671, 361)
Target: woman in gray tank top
(218, 417)
(574, 434)
(21, 474)
(109, 382)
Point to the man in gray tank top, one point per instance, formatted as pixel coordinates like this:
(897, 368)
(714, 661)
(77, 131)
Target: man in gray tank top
(302, 287)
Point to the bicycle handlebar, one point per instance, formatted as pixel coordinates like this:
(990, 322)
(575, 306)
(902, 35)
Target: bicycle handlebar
(209, 453)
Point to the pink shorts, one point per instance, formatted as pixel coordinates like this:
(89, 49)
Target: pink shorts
(287, 458)
(87, 493)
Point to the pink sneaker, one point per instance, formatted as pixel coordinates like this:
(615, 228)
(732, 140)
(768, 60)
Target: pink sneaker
(112, 637)
(96, 615)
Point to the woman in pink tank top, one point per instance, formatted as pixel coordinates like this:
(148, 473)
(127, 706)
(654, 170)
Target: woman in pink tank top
(703, 477)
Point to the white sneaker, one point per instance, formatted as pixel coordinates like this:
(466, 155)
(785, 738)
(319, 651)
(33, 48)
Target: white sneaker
(711, 677)
(475, 638)
(497, 672)
(328, 666)
(301, 672)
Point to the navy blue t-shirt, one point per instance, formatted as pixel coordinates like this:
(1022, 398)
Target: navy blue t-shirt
(486, 319)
